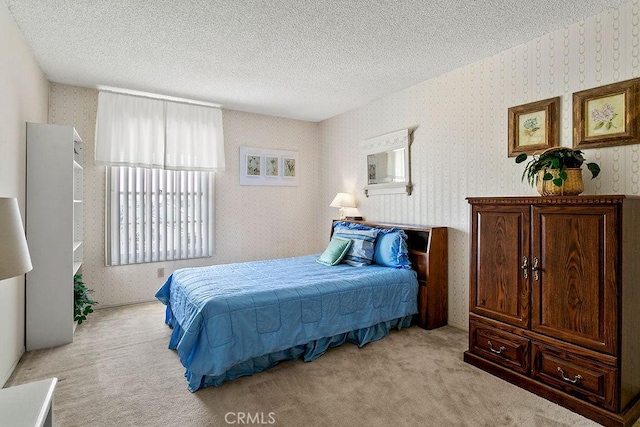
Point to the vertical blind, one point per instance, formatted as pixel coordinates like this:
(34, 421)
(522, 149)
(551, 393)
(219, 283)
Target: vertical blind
(158, 215)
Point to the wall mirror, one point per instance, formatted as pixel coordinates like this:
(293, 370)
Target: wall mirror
(388, 164)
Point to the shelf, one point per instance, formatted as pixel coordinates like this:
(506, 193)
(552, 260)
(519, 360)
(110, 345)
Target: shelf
(77, 201)
(76, 245)
(77, 165)
(76, 267)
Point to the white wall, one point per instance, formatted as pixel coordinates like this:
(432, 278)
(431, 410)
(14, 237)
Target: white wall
(23, 97)
(460, 145)
(251, 222)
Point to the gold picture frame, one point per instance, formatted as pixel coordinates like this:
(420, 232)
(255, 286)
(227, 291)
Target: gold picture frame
(534, 126)
(606, 116)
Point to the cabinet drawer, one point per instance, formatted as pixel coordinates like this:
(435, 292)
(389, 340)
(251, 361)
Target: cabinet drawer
(504, 348)
(580, 377)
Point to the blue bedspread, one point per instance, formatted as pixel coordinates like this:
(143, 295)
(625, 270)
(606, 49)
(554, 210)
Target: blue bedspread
(226, 314)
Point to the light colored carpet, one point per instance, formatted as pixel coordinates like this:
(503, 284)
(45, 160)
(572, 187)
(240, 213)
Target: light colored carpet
(119, 372)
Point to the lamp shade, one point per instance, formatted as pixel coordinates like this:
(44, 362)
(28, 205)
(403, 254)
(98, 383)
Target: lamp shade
(14, 254)
(343, 200)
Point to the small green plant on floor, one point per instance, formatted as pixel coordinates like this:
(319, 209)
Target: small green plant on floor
(83, 304)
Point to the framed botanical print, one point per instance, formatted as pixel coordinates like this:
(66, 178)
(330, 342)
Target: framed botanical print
(288, 167)
(534, 126)
(606, 115)
(268, 167)
(253, 165)
(271, 166)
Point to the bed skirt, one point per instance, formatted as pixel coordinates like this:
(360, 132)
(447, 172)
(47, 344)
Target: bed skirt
(309, 351)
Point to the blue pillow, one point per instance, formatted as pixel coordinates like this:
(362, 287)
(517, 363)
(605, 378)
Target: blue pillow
(353, 226)
(391, 250)
(336, 250)
(361, 251)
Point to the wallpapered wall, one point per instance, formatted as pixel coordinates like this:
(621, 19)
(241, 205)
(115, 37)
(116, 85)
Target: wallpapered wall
(251, 222)
(460, 142)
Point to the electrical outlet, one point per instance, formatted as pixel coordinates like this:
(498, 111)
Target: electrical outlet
(161, 272)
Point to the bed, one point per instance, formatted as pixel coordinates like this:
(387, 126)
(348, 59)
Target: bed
(237, 319)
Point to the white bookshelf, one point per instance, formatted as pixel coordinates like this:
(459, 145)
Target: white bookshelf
(54, 223)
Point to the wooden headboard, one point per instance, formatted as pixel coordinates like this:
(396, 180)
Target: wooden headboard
(428, 253)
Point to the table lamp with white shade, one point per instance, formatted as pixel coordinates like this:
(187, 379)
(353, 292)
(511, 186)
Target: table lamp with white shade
(343, 200)
(14, 253)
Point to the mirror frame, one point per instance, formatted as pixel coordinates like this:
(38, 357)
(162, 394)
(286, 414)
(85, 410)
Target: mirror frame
(389, 142)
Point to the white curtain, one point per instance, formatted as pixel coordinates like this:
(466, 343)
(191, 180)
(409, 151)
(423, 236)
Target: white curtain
(144, 132)
(194, 138)
(129, 131)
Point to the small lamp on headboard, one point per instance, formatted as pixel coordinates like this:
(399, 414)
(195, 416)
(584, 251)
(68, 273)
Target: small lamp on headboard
(343, 200)
(14, 253)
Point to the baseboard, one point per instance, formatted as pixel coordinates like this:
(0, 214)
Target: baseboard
(457, 326)
(123, 304)
(12, 368)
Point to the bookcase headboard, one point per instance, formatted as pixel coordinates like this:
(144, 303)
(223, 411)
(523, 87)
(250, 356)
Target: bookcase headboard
(428, 253)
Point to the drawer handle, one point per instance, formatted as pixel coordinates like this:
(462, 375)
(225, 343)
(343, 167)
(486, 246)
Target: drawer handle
(572, 381)
(500, 350)
(535, 268)
(524, 267)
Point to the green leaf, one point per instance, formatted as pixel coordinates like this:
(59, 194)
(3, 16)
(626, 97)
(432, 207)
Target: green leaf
(594, 169)
(578, 160)
(547, 177)
(557, 182)
(598, 126)
(555, 163)
(608, 126)
(563, 175)
(521, 157)
(82, 303)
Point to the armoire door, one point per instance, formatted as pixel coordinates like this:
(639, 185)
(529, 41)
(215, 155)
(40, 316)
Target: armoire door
(574, 280)
(500, 263)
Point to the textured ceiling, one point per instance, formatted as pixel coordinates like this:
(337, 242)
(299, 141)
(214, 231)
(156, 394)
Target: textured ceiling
(304, 59)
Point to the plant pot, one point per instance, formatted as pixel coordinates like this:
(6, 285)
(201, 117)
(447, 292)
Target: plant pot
(572, 186)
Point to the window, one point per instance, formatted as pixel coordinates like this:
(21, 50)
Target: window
(158, 215)
(160, 158)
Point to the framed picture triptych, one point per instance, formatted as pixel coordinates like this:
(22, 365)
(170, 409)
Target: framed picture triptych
(261, 166)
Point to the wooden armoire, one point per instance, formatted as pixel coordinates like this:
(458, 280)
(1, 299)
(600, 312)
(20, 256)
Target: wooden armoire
(555, 299)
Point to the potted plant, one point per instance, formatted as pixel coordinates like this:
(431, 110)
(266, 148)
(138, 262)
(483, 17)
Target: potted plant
(557, 171)
(83, 304)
